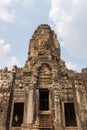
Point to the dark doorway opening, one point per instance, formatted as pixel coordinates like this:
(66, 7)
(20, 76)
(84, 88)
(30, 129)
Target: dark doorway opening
(44, 100)
(70, 118)
(18, 111)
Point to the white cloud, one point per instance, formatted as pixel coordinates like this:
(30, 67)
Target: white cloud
(5, 58)
(4, 48)
(25, 2)
(12, 60)
(71, 66)
(4, 3)
(28, 1)
(6, 15)
(70, 20)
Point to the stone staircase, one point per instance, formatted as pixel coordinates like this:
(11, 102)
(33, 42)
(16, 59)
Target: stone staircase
(45, 121)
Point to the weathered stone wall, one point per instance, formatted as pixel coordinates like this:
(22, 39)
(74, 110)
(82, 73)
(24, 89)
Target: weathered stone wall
(80, 94)
(5, 87)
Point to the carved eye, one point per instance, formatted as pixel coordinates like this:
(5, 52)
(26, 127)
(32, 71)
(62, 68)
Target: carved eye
(47, 47)
(1, 110)
(80, 84)
(21, 87)
(35, 48)
(76, 83)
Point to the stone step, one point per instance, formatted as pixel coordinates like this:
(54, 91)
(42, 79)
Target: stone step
(45, 121)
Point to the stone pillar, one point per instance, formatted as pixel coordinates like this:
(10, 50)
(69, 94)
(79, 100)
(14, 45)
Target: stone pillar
(57, 120)
(2, 120)
(30, 111)
(37, 103)
(30, 107)
(36, 124)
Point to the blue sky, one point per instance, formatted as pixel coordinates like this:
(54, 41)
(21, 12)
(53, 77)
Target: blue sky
(20, 18)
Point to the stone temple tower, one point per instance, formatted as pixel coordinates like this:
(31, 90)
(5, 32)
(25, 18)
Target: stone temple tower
(44, 94)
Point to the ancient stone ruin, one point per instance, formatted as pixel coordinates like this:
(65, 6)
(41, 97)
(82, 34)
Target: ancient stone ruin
(44, 94)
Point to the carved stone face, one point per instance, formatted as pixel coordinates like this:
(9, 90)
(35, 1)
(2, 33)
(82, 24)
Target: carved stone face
(44, 39)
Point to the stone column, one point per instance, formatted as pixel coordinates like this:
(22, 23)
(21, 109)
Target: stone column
(37, 109)
(30, 107)
(37, 103)
(57, 120)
